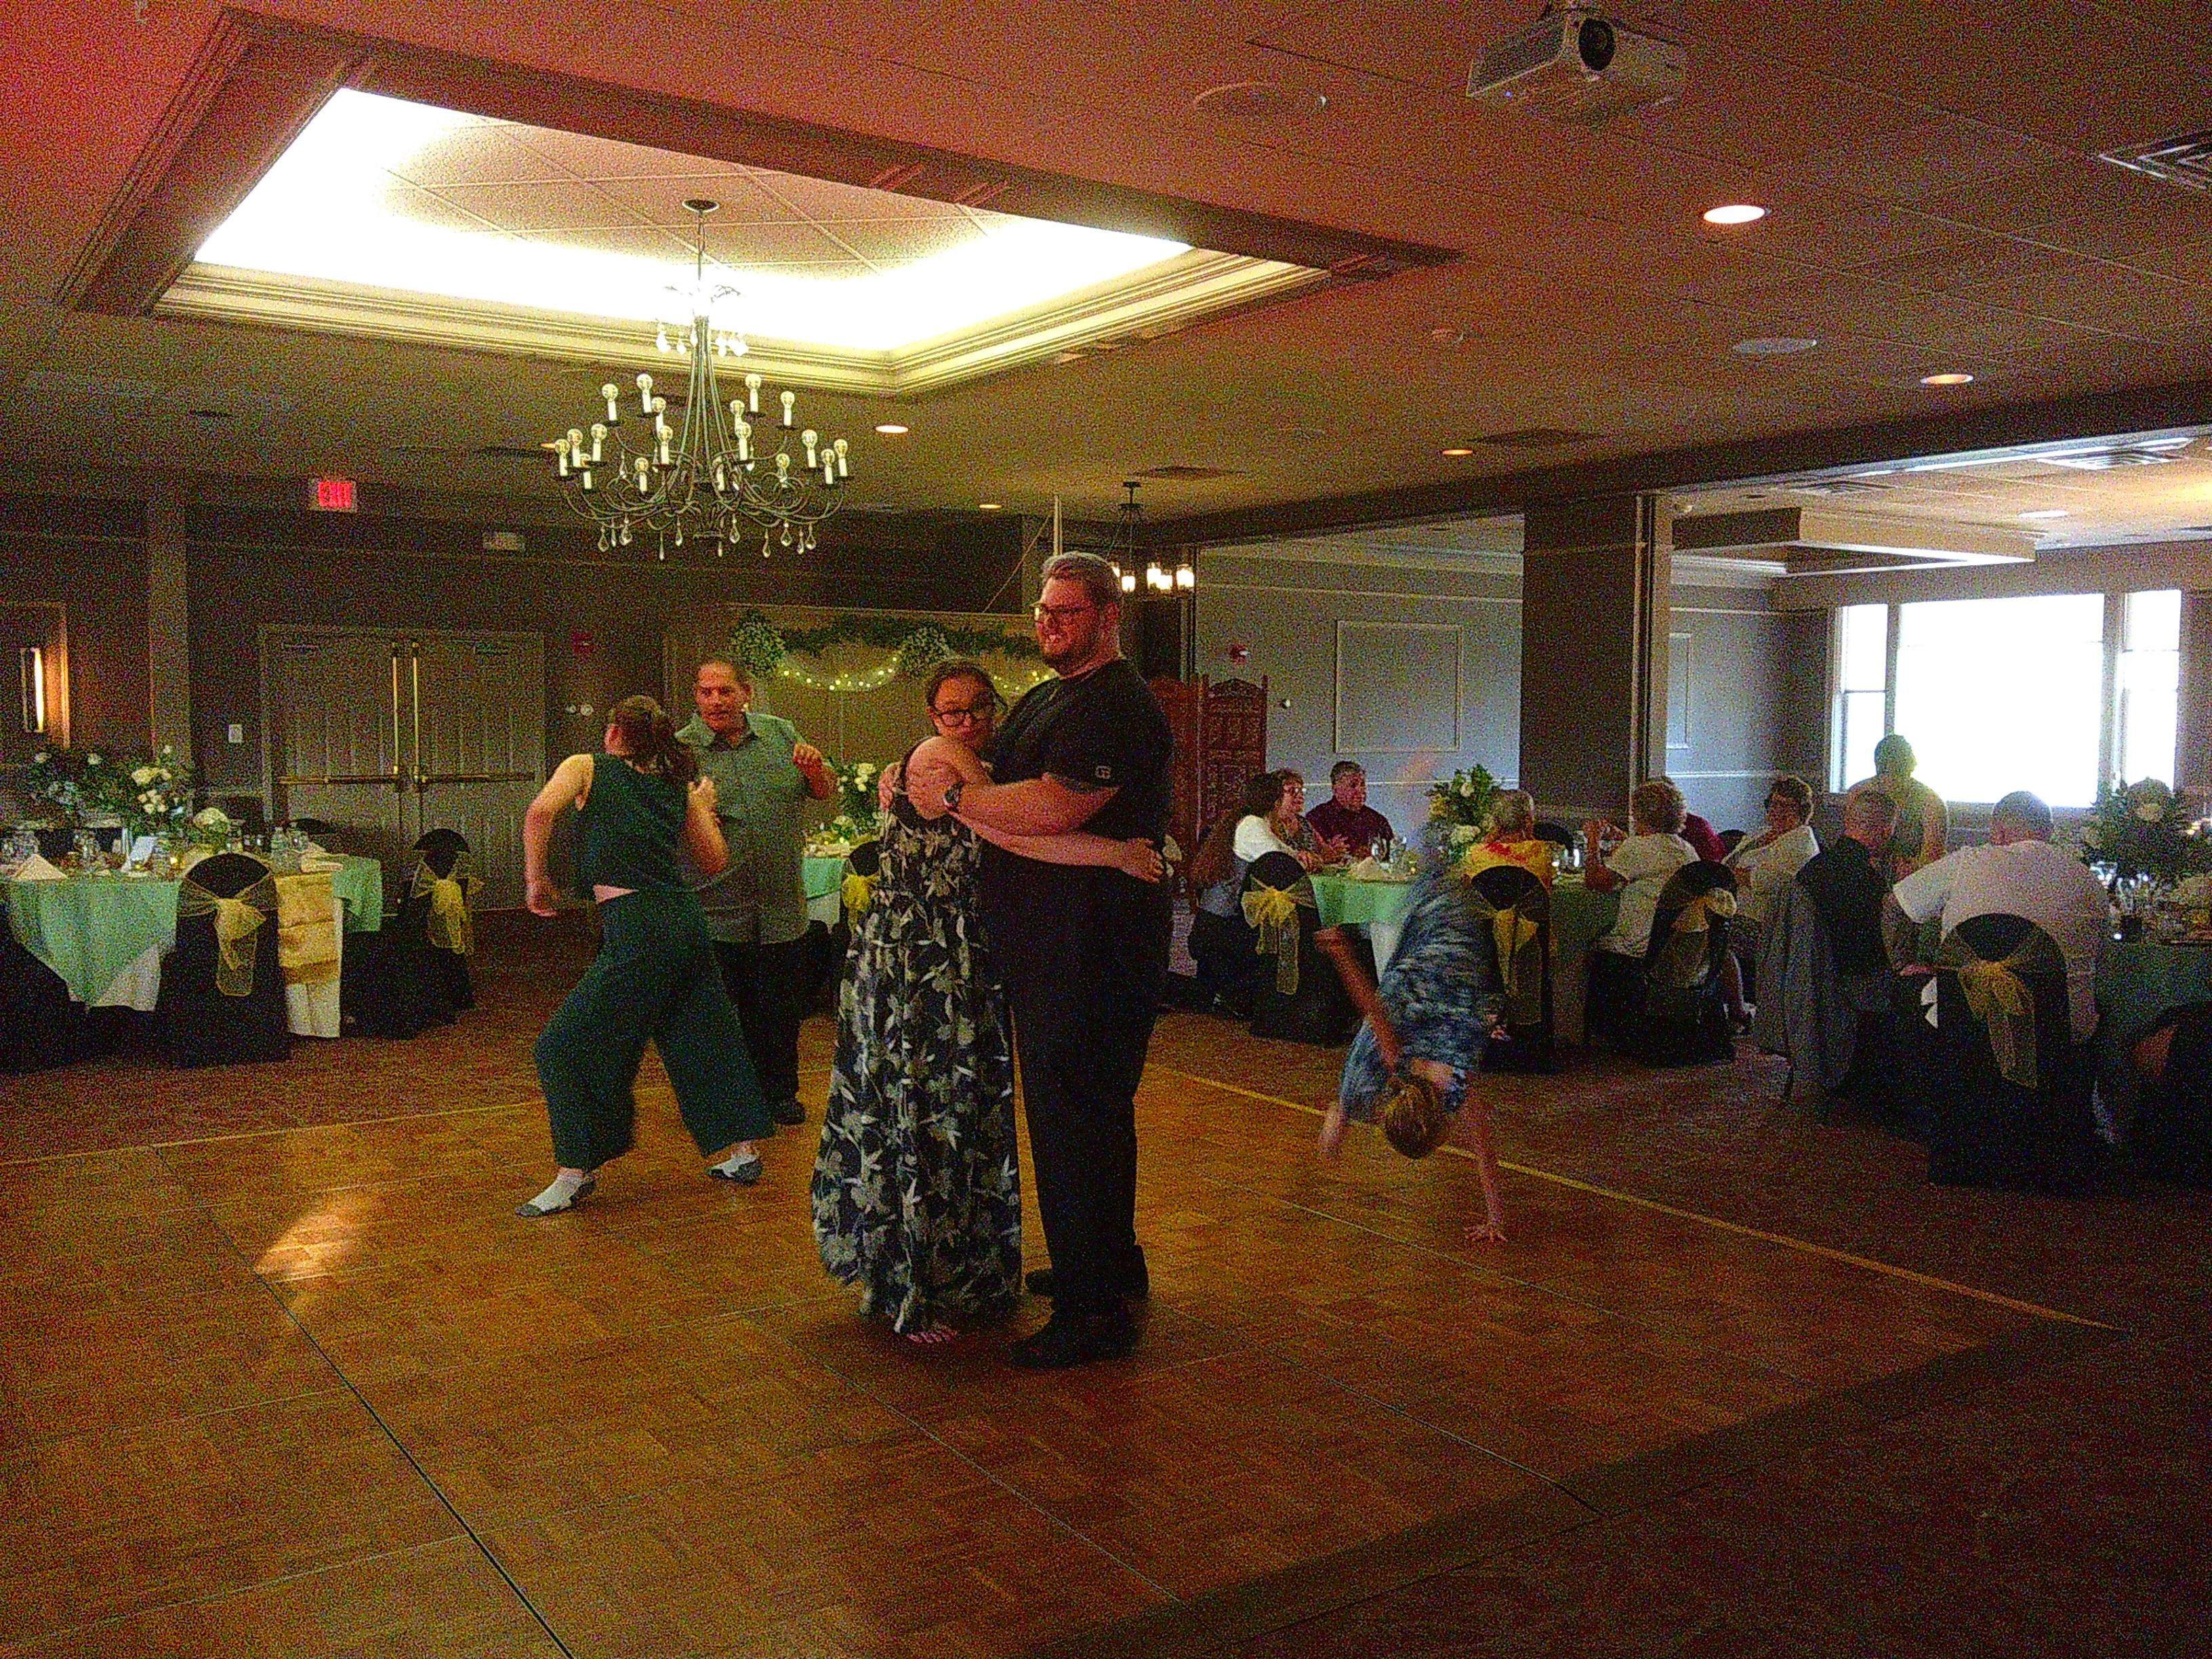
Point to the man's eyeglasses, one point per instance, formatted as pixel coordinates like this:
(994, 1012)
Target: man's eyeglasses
(1060, 612)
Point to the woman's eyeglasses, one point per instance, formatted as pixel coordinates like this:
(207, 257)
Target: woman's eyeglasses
(972, 714)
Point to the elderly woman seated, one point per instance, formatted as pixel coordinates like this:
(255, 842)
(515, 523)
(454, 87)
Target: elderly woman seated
(1764, 864)
(1513, 839)
(1638, 865)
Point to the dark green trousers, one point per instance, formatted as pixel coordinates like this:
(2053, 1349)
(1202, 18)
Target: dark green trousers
(655, 978)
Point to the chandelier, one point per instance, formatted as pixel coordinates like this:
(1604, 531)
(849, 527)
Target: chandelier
(726, 470)
(1123, 552)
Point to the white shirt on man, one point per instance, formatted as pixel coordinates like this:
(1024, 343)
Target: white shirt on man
(2046, 885)
(1644, 862)
(1770, 868)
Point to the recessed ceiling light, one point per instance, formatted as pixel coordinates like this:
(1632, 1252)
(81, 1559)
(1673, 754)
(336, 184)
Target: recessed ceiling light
(989, 507)
(1735, 213)
(1458, 449)
(1953, 378)
(891, 429)
(2047, 512)
(1774, 345)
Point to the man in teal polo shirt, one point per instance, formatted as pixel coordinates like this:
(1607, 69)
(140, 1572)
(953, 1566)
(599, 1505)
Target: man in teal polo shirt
(756, 908)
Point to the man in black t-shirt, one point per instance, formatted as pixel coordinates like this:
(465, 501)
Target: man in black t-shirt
(1084, 948)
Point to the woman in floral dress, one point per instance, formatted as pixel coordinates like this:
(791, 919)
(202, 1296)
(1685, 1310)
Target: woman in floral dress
(917, 1188)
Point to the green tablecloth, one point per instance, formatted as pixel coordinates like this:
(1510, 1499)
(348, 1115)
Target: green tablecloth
(1341, 902)
(89, 929)
(2136, 984)
(1579, 915)
(821, 876)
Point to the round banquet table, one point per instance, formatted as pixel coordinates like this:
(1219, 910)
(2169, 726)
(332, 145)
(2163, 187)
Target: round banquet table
(105, 935)
(1378, 906)
(2137, 984)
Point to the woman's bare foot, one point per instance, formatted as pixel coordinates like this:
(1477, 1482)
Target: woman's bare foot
(1332, 1130)
(930, 1336)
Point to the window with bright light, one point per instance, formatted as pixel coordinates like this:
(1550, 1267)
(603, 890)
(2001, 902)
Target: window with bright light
(1862, 688)
(1999, 695)
(2148, 686)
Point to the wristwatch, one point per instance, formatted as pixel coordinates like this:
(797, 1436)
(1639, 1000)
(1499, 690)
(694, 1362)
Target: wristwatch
(952, 795)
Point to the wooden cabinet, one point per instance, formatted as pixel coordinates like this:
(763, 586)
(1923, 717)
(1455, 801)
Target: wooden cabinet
(1220, 740)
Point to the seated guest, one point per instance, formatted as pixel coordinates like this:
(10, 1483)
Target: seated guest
(1290, 828)
(1847, 885)
(1824, 986)
(1345, 825)
(1513, 839)
(1697, 831)
(1764, 861)
(1923, 822)
(1222, 943)
(2019, 873)
(1638, 865)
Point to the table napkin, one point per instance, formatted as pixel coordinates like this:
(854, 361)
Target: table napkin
(35, 868)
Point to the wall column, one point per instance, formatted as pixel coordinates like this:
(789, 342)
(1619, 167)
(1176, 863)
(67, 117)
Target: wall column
(1593, 617)
(169, 656)
(2192, 737)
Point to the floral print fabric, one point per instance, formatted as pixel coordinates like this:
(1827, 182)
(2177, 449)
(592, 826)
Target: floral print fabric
(917, 1189)
(1436, 991)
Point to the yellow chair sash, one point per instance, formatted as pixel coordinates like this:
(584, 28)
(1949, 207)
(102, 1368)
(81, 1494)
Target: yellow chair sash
(1519, 963)
(447, 923)
(236, 922)
(1273, 912)
(1682, 958)
(857, 891)
(2002, 1000)
(307, 929)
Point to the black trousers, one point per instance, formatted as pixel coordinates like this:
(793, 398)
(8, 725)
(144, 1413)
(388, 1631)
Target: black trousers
(770, 984)
(1085, 1000)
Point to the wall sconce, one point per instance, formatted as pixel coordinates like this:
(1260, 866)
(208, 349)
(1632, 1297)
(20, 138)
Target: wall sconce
(31, 662)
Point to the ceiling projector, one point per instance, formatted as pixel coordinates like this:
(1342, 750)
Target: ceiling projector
(1578, 66)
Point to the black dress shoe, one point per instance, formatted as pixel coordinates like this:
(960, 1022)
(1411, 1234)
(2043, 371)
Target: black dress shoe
(1038, 1282)
(787, 1112)
(1062, 1341)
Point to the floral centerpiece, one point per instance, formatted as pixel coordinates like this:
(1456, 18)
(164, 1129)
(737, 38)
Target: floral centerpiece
(855, 822)
(2145, 829)
(77, 783)
(1460, 807)
(155, 796)
(210, 827)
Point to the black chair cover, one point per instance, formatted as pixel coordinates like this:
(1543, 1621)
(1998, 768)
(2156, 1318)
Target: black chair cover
(1527, 1044)
(1550, 829)
(1318, 1011)
(1983, 1131)
(1683, 1022)
(200, 1026)
(2173, 1134)
(397, 983)
(41, 1026)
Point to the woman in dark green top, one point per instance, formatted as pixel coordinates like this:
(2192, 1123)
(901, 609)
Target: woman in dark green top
(655, 976)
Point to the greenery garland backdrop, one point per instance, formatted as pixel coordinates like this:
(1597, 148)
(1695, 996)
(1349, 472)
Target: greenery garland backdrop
(914, 649)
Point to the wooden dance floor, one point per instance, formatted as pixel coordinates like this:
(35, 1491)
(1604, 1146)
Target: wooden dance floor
(314, 1391)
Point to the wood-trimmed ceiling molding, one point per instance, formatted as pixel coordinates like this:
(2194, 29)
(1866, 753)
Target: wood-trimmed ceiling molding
(260, 80)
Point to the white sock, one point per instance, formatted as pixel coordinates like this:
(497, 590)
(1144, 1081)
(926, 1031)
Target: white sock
(562, 1194)
(735, 1162)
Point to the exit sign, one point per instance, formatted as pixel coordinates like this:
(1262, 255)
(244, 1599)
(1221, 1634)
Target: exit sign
(333, 496)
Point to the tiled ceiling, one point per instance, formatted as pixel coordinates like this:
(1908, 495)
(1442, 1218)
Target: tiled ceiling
(1937, 205)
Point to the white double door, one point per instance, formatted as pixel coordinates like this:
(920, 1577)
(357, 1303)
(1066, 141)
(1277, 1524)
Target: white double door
(384, 735)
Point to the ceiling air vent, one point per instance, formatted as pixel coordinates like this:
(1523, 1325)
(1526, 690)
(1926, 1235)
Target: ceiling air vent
(2186, 159)
(1181, 472)
(1537, 437)
(1828, 487)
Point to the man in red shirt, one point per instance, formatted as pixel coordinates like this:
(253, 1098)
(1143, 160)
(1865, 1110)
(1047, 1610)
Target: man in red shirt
(1345, 825)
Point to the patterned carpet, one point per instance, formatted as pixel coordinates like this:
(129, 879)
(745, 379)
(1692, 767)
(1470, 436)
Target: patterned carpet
(2057, 1510)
